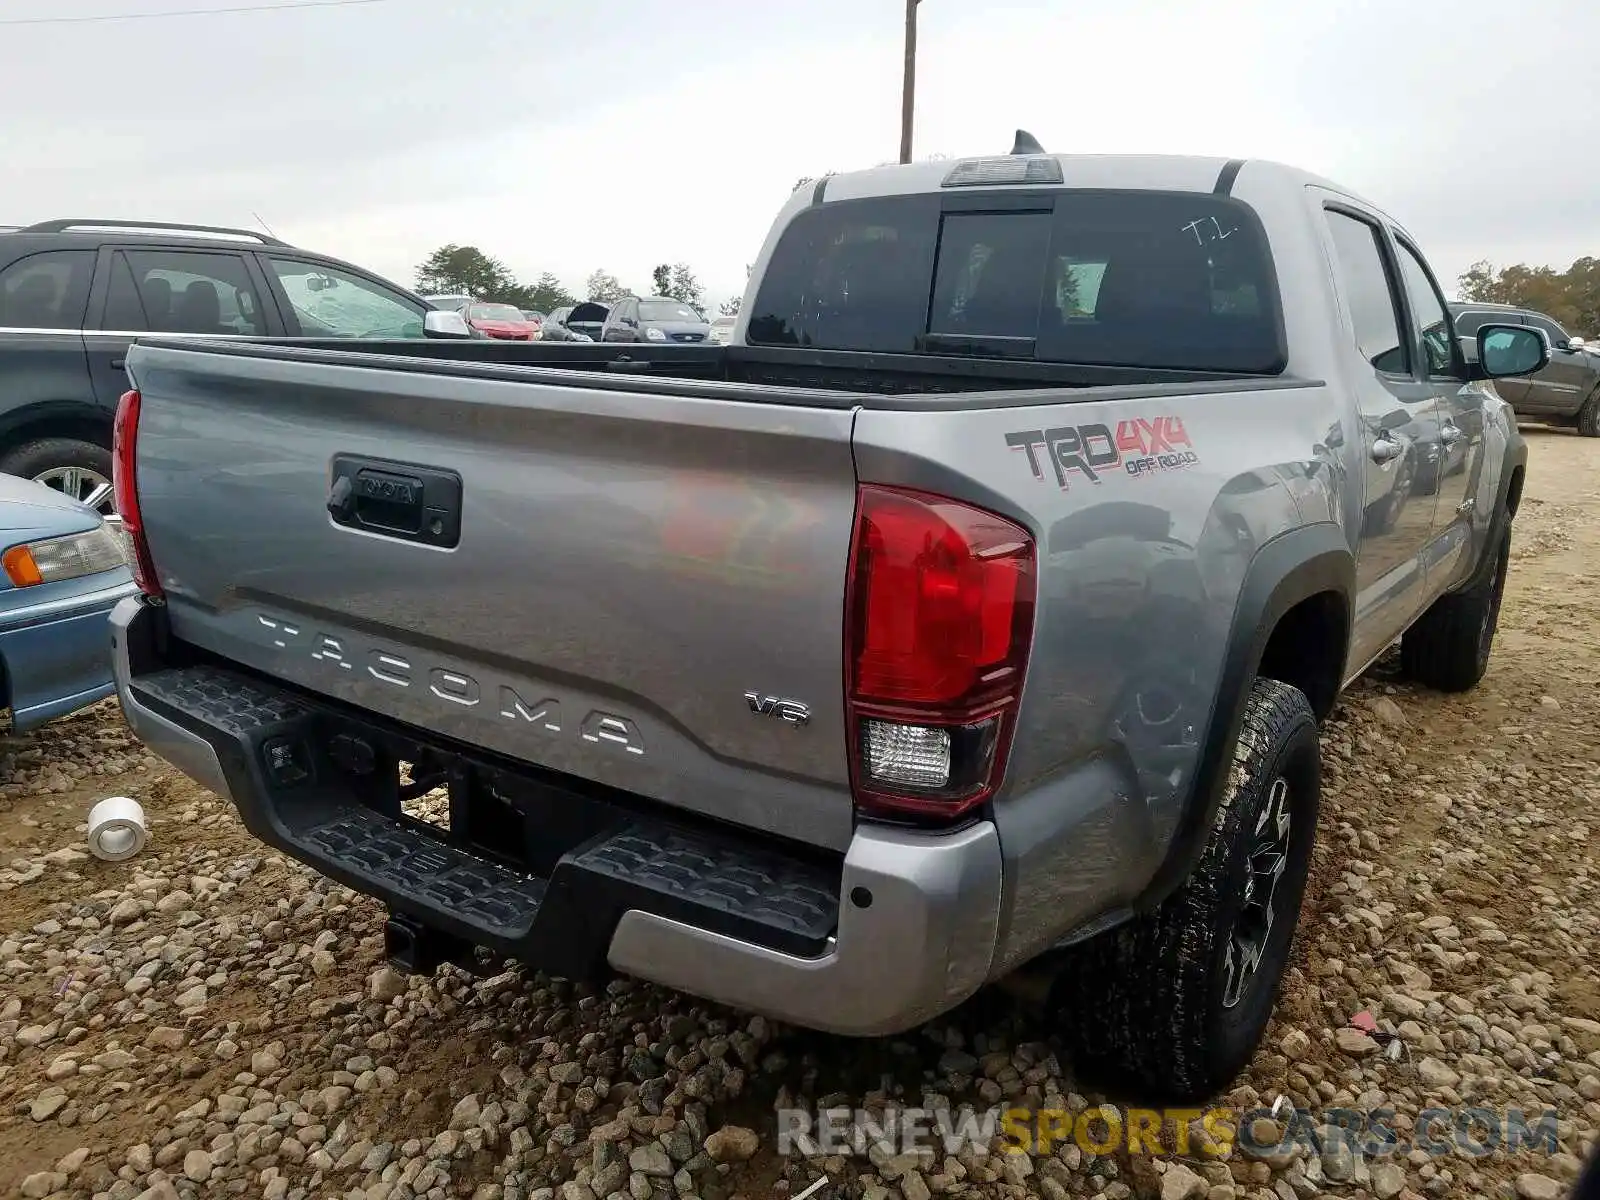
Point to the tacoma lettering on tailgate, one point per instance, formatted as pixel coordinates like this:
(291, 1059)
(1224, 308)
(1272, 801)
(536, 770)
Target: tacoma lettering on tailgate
(449, 686)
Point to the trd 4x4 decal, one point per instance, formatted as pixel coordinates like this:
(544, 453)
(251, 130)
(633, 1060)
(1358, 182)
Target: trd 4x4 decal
(1141, 446)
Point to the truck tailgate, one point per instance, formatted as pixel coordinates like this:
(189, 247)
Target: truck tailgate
(628, 565)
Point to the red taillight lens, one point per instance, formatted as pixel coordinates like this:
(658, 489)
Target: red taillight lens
(940, 619)
(125, 488)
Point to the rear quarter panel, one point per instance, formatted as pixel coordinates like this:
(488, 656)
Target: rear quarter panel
(1143, 548)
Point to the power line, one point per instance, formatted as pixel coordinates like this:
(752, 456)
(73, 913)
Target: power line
(187, 12)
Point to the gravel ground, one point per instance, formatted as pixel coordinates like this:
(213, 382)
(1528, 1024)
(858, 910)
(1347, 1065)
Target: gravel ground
(212, 1019)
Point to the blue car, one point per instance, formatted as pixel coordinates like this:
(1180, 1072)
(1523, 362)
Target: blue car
(62, 568)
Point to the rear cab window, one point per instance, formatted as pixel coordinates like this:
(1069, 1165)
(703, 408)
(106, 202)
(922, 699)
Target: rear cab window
(1178, 281)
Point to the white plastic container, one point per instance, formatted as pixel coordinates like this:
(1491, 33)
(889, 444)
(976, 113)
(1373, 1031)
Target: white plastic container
(116, 828)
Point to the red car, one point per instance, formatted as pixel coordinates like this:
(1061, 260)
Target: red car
(502, 321)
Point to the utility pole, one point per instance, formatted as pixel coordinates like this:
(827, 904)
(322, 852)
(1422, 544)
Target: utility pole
(908, 94)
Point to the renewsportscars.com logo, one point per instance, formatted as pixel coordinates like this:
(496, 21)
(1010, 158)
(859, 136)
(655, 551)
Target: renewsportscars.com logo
(1473, 1132)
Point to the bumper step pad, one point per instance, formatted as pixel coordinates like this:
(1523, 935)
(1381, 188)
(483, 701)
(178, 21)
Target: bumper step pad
(474, 891)
(710, 879)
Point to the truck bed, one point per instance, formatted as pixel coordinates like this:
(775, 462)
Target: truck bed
(854, 378)
(603, 561)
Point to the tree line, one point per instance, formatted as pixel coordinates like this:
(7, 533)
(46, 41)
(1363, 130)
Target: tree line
(466, 270)
(1570, 298)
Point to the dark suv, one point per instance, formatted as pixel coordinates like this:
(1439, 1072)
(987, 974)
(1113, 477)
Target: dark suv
(1567, 392)
(74, 295)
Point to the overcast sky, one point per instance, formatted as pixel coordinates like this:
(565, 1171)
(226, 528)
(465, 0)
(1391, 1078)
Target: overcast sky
(565, 136)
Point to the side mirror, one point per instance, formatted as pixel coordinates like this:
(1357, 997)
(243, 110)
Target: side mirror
(437, 324)
(1507, 351)
(1576, 343)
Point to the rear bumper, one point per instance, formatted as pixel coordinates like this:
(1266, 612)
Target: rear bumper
(900, 929)
(57, 655)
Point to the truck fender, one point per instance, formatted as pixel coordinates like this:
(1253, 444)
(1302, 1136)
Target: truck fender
(1512, 472)
(1292, 567)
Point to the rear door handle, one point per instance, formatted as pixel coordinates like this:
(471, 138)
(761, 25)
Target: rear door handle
(118, 363)
(1387, 449)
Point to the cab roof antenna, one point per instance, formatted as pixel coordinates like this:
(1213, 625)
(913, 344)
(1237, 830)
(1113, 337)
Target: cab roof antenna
(1026, 143)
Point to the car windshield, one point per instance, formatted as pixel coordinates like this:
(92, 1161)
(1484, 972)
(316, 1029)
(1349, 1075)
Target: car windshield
(1170, 280)
(667, 310)
(496, 312)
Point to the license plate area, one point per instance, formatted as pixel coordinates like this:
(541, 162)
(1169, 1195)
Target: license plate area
(460, 799)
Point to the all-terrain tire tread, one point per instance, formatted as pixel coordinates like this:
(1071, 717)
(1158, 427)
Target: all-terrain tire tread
(1134, 1001)
(1441, 650)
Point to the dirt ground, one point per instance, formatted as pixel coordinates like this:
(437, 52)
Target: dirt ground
(169, 1025)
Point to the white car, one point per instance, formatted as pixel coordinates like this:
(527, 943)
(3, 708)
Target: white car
(721, 330)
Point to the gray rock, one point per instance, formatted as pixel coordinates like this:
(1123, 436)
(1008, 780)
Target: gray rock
(42, 1183)
(1387, 1180)
(1533, 1186)
(386, 984)
(1180, 1183)
(48, 1103)
(651, 1159)
(957, 1062)
(1354, 1043)
(1435, 1074)
(197, 1165)
(610, 1178)
(732, 1143)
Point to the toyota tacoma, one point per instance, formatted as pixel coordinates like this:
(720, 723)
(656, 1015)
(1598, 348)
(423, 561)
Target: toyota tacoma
(978, 602)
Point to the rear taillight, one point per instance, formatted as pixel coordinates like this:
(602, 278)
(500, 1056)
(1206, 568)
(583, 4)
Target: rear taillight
(939, 619)
(125, 486)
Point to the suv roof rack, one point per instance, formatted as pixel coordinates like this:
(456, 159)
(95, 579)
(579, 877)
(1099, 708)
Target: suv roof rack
(67, 224)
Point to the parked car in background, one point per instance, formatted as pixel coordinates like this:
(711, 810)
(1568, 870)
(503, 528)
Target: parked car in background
(500, 321)
(1566, 392)
(721, 330)
(535, 318)
(75, 293)
(654, 319)
(577, 323)
(64, 569)
(554, 328)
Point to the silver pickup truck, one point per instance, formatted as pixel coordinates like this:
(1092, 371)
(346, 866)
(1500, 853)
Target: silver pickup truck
(977, 602)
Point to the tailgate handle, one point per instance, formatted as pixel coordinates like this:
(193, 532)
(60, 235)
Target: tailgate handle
(406, 501)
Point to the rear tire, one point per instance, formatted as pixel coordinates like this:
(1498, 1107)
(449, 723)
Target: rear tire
(80, 469)
(1589, 415)
(1169, 1005)
(1448, 648)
